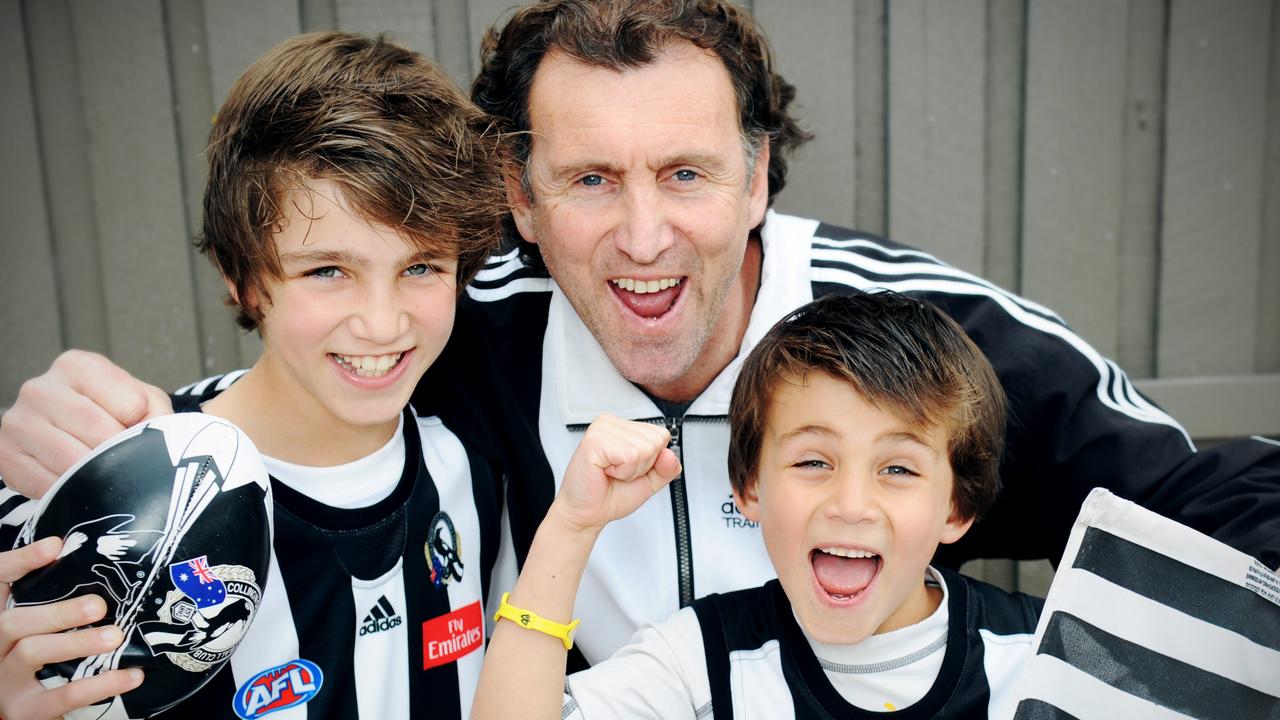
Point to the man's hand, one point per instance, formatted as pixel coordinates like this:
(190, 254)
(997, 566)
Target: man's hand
(31, 637)
(60, 416)
(618, 465)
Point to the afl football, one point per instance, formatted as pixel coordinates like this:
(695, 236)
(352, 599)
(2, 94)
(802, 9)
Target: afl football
(170, 523)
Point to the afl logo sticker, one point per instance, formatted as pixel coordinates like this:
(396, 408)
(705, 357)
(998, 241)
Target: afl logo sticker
(277, 688)
(444, 551)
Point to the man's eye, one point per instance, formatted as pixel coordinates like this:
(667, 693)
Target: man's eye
(592, 180)
(685, 175)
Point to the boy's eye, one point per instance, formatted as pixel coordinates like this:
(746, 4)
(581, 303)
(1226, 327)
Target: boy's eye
(419, 269)
(811, 463)
(325, 272)
(900, 470)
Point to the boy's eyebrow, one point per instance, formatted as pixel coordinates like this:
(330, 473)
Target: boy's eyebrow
(907, 436)
(807, 430)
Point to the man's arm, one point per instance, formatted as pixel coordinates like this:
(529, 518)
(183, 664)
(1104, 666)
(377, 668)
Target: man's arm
(60, 416)
(618, 466)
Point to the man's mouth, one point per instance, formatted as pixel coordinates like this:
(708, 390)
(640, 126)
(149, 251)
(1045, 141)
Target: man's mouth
(647, 298)
(369, 366)
(844, 572)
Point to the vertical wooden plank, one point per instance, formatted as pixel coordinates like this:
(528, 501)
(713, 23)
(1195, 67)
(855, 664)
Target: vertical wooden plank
(1006, 80)
(136, 179)
(29, 324)
(1268, 353)
(409, 21)
(193, 112)
(1073, 170)
(937, 76)
(813, 47)
(317, 15)
(1217, 102)
(454, 51)
(65, 155)
(238, 32)
(871, 100)
(1140, 203)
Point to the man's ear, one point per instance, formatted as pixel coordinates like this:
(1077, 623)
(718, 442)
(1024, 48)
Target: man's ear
(956, 526)
(747, 501)
(759, 189)
(520, 202)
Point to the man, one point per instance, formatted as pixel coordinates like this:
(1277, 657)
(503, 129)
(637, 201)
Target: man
(652, 138)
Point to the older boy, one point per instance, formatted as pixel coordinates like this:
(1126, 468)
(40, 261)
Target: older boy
(865, 431)
(352, 192)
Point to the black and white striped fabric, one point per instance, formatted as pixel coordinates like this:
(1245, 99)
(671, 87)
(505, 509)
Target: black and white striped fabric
(1147, 618)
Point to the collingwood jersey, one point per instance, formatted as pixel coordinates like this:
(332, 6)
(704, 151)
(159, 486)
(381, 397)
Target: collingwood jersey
(522, 377)
(743, 655)
(368, 612)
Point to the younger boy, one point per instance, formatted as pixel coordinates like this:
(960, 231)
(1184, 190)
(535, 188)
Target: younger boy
(352, 193)
(864, 431)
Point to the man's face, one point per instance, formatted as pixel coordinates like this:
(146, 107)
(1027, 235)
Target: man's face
(642, 203)
(852, 502)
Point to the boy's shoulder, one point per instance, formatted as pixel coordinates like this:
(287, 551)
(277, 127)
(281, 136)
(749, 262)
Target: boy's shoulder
(995, 610)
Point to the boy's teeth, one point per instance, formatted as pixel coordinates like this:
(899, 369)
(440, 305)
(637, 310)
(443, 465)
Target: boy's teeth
(846, 552)
(370, 365)
(641, 287)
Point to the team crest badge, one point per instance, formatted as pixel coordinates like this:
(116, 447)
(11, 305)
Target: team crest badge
(444, 551)
(206, 614)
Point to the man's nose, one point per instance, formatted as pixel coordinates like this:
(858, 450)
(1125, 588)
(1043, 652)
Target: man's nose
(645, 230)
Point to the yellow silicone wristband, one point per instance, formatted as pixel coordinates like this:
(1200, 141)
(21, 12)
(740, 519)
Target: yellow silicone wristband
(533, 621)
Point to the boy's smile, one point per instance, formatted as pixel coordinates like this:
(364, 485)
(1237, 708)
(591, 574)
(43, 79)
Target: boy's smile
(852, 501)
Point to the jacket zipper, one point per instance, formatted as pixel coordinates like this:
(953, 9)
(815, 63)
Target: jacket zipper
(680, 514)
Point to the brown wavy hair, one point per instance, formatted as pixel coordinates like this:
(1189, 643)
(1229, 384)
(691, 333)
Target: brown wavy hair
(404, 144)
(900, 354)
(621, 34)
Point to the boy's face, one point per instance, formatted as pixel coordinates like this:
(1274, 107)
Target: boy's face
(358, 317)
(853, 502)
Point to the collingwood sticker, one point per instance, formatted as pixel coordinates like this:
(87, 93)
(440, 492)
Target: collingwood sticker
(203, 619)
(444, 551)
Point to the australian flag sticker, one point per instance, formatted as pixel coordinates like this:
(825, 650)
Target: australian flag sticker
(197, 581)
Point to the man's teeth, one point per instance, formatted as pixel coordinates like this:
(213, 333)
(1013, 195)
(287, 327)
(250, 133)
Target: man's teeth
(640, 287)
(847, 553)
(369, 365)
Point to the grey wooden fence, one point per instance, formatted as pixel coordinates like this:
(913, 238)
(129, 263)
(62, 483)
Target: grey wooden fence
(1117, 160)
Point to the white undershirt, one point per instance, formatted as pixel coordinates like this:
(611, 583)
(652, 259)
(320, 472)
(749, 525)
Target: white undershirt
(892, 670)
(359, 483)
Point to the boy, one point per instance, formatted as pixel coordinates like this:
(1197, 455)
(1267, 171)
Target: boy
(352, 193)
(864, 431)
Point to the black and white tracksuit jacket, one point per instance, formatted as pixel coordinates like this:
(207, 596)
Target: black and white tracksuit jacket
(522, 378)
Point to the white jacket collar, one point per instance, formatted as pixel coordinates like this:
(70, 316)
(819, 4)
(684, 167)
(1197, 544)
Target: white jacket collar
(590, 384)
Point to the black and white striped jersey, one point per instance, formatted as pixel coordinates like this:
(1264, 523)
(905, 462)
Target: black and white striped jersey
(368, 612)
(743, 655)
(522, 377)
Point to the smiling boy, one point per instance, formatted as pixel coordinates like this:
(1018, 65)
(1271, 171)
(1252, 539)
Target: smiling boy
(864, 431)
(352, 192)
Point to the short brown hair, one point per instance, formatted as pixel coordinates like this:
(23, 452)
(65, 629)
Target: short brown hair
(621, 34)
(406, 147)
(898, 353)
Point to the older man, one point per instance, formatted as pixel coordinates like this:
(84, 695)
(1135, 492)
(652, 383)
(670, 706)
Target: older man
(653, 137)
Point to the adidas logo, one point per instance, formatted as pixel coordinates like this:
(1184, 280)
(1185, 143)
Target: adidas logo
(381, 617)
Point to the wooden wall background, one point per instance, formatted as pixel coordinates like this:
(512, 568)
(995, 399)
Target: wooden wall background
(1116, 160)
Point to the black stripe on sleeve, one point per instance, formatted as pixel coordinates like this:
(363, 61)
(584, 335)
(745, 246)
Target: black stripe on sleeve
(716, 650)
(1179, 586)
(1146, 674)
(1033, 709)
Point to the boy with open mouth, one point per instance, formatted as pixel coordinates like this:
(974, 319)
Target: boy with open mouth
(864, 431)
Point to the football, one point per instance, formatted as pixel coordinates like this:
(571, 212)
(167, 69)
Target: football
(170, 523)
